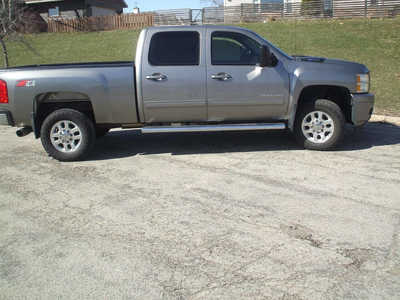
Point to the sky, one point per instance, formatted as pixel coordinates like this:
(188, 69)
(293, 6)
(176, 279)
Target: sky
(146, 5)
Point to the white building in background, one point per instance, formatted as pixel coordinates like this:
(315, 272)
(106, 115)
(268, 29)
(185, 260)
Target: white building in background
(289, 5)
(293, 6)
(250, 10)
(240, 2)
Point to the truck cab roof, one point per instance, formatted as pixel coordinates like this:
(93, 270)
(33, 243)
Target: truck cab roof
(191, 27)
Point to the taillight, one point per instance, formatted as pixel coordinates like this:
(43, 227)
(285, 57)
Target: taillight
(3, 92)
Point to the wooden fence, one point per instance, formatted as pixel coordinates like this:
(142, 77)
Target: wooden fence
(114, 22)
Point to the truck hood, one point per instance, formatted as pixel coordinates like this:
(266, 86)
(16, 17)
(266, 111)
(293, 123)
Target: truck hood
(357, 67)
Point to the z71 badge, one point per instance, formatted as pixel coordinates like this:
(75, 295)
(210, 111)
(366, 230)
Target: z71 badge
(26, 83)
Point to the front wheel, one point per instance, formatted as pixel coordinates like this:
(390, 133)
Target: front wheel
(319, 125)
(67, 135)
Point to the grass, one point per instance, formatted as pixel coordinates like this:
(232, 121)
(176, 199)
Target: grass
(375, 43)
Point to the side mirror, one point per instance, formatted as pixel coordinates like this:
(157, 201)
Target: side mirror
(266, 57)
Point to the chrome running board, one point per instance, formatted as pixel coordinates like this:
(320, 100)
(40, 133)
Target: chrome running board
(212, 128)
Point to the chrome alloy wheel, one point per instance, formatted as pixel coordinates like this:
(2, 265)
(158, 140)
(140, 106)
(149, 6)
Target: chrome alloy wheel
(66, 136)
(318, 127)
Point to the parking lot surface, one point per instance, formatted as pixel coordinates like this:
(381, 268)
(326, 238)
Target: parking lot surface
(202, 216)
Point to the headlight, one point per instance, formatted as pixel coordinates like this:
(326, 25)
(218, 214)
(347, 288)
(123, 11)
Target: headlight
(363, 83)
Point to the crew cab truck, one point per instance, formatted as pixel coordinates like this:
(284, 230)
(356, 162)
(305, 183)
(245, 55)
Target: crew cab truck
(187, 79)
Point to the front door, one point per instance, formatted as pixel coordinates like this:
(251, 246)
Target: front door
(238, 89)
(173, 80)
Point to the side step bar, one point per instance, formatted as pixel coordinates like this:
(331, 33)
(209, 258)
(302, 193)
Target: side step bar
(212, 128)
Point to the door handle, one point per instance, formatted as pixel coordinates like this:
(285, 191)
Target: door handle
(157, 77)
(221, 76)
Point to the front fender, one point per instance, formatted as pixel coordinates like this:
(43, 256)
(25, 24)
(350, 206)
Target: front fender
(320, 75)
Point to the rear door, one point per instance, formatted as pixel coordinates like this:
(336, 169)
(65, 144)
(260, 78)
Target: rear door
(173, 76)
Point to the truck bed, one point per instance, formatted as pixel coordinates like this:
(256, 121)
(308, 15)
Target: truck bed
(108, 86)
(72, 65)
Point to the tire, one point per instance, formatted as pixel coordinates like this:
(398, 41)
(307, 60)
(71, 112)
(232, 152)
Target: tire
(319, 125)
(68, 135)
(100, 131)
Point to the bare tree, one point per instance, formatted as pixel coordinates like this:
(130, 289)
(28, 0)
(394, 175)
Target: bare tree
(12, 19)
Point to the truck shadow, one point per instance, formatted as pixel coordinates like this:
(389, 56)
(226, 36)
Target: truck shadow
(126, 143)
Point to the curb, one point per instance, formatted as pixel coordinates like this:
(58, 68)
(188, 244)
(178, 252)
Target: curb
(385, 119)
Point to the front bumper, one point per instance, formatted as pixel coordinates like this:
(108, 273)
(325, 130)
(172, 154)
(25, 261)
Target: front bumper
(6, 118)
(362, 108)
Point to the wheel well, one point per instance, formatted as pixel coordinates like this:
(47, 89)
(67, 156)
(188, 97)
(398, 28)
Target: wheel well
(47, 103)
(340, 95)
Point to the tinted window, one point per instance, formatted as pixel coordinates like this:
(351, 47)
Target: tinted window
(175, 49)
(231, 48)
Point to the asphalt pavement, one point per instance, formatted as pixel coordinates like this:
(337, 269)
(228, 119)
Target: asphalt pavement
(202, 216)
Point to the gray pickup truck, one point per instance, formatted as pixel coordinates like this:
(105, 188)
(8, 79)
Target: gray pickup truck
(187, 79)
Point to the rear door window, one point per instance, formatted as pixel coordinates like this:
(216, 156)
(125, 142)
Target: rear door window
(175, 49)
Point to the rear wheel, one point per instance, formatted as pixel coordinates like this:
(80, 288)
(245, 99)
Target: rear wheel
(319, 125)
(67, 135)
